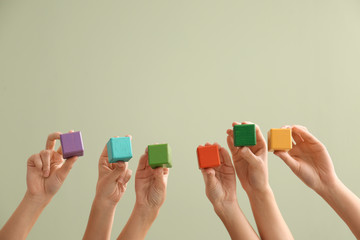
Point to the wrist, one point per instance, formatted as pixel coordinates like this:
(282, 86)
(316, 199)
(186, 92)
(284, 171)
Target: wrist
(104, 202)
(146, 213)
(226, 208)
(327, 191)
(264, 192)
(36, 200)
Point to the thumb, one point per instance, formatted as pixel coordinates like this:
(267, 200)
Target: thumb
(246, 154)
(159, 177)
(290, 161)
(209, 177)
(119, 171)
(66, 167)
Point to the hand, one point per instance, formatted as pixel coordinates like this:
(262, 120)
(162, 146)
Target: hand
(309, 160)
(47, 170)
(113, 179)
(111, 185)
(250, 162)
(150, 184)
(220, 182)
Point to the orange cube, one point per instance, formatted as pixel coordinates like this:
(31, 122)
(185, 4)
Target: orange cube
(208, 156)
(279, 139)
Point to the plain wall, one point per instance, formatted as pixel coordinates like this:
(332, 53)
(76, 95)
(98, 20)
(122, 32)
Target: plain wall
(177, 72)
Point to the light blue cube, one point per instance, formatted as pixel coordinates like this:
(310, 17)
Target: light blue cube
(119, 149)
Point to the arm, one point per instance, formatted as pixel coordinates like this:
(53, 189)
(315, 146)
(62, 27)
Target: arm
(150, 188)
(311, 162)
(111, 186)
(252, 170)
(220, 184)
(46, 172)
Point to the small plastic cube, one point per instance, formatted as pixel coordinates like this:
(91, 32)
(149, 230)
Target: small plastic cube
(159, 156)
(119, 149)
(279, 139)
(208, 156)
(72, 144)
(244, 135)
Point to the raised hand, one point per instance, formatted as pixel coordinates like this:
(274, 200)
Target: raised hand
(47, 170)
(150, 184)
(220, 182)
(150, 189)
(251, 165)
(250, 162)
(309, 160)
(220, 187)
(113, 178)
(111, 186)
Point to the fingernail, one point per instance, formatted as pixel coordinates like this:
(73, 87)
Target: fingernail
(46, 173)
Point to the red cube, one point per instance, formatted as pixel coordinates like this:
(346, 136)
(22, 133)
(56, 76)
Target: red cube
(208, 156)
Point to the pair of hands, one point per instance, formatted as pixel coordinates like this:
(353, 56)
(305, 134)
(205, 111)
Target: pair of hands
(250, 167)
(150, 184)
(308, 159)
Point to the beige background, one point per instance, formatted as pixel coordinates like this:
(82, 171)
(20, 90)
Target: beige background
(177, 72)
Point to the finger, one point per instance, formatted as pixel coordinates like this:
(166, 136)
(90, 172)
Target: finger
(207, 144)
(230, 141)
(104, 153)
(160, 179)
(119, 171)
(291, 162)
(230, 132)
(51, 140)
(246, 154)
(66, 167)
(126, 177)
(260, 140)
(224, 155)
(35, 160)
(143, 162)
(297, 138)
(304, 133)
(104, 160)
(59, 150)
(45, 156)
(209, 177)
(129, 136)
(166, 171)
(235, 123)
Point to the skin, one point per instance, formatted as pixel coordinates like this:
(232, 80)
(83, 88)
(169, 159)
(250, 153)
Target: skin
(251, 165)
(111, 186)
(46, 172)
(220, 187)
(311, 162)
(150, 189)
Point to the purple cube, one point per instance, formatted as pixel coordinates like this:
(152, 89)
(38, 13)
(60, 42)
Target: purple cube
(72, 144)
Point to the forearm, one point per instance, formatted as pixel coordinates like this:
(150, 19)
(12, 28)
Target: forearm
(345, 203)
(100, 220)
(269, 220)
(24, 218)
(235, 222)
(139, 223)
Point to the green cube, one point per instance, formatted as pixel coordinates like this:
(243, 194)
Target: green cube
(159, 156)
(244, 135)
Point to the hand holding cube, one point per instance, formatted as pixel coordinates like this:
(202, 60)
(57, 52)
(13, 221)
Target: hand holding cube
(47, 170)
(309, 160)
